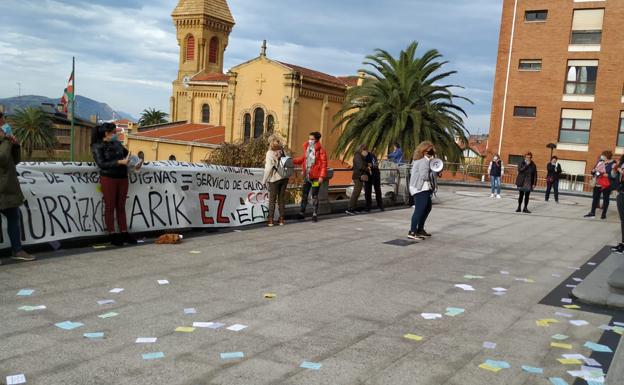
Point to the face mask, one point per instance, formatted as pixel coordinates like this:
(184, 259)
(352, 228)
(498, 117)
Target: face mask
(496, 159)
(364, 153)
(603, 158)
(114, 138)
(311, 142)
(8, 131)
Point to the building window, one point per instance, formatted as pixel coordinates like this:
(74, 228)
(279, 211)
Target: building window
(525, 112)
(247, 126)
(258, 122)
(530, 65)
(515, 159)
(541, 15)
(270, 124)
(620, 141)
(581, 78)
(190, 48)
(575, 126)
(213, 50)
(587, 26)
(205, 113)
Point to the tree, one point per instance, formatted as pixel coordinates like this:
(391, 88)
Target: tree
(33, 129)
(403, 100)
(151, 116)
(242, 154)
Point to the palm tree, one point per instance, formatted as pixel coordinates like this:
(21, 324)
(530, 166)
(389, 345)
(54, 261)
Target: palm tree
(33, 129)
(151, 116)
(403, 100)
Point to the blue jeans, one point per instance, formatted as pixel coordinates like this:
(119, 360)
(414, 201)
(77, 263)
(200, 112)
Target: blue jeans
(422, 208)
(13, 227)
(495, 183)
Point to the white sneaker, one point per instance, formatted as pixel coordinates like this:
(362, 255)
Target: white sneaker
(491, 195)
(498, 196)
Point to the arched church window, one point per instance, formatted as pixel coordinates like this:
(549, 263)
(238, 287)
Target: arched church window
(190, 48)
(205, 113)
(270, 123)
(258, 122)
(247, 125)
(213, 50)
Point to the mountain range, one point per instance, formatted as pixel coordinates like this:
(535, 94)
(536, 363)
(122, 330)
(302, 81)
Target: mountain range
(85, 107)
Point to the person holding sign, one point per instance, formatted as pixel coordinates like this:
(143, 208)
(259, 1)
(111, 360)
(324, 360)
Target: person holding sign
(112, 158)
(276, 177)
(11, 197)
(314, 168)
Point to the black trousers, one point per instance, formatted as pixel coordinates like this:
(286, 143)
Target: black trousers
(554, 185)
(620, 206)
(524, 195)
(373, 182)
(606, 195)
(307, 187)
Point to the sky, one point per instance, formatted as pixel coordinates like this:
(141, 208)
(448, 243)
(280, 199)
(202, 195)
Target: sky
(127, 54)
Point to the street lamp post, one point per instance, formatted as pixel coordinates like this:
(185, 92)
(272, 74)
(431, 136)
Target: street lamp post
(552, 147)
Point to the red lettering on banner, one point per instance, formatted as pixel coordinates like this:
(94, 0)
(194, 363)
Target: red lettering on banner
(205, 211)
(221, 199)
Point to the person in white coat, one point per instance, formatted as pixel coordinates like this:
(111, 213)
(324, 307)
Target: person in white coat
(276, 183)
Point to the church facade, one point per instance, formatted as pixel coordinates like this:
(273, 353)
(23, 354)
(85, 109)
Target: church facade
(259, 96)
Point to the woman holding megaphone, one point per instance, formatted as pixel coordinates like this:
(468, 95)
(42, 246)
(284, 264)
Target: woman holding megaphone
(112, 158)
(421, 186)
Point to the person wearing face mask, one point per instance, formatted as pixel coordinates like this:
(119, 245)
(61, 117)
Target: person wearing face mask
(373, 182)
(526, 181)
(554, 172)
(496, 171)
(314, 169)
(112, 159)
(421, 187)
(602, 180)
(277, 183)
(361, 174)
(11, 197)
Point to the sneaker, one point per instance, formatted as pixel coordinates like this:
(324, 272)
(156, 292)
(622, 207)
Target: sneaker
(282, 222)
(115, 239)
(413, 236)
(314, 218)
(301, 216)
(270, 224)
(590, 215)
(423, 233)
(526, 211)
(498, 196)
(619, 249)
(23, 256)
(518, 210)
(491, 195)
(129, 239)
(603, 216)
(350, 212)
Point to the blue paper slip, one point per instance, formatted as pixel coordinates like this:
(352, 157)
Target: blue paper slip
(310, 365)
(68, 325)
(454, 311)
(94, 335)
(598, 347)
(532, 369)
(229, 356)
(498, 364)
(560, 337)
(557, 381)
(25, 292)
(153, 356)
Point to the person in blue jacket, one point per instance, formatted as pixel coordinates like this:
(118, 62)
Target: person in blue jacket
(396, 156)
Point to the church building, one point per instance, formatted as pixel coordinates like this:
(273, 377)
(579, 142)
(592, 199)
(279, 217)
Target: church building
(259, 96)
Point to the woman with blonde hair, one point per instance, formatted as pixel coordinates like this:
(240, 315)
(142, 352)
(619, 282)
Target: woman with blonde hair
(421, 186)
(277, 183)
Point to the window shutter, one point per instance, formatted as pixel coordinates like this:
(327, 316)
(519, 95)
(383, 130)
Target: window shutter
(588, 20)
(576, 114)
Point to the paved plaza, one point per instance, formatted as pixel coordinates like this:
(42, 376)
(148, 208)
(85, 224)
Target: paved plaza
(344, 298)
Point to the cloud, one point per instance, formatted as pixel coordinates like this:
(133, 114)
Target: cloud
(127, 52)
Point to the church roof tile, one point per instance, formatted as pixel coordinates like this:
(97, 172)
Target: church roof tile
(218, 9)
(306, 72)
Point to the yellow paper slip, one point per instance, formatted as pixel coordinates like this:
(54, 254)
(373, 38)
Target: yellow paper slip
(269, 295)
(572, 306)
(413, 337)
(560, 345)
(570, 361)
(490, 368)
(185, 329)
(546, 322)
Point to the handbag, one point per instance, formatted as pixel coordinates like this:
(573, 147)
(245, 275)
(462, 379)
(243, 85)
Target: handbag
(364, 178)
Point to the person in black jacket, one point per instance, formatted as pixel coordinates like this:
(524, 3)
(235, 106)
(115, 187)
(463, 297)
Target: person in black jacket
(552, 178)
(361, 174)
(373, 182)
(112, 159)
(526, 181)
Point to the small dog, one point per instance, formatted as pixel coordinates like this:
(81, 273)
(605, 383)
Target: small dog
(169, 239)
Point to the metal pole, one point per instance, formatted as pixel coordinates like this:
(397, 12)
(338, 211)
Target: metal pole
(73, 110)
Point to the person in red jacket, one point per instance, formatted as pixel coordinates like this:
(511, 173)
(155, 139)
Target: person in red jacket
(314, 168)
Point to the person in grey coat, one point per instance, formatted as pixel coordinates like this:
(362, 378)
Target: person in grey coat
(421, 186)
(526, 181)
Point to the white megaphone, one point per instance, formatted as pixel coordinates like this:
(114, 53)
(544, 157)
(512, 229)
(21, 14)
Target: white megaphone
(436, 165)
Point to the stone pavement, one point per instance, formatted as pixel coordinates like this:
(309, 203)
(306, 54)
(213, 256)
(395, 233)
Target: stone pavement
(344, 299)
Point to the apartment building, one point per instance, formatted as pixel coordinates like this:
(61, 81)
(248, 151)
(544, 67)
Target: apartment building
(559, 80)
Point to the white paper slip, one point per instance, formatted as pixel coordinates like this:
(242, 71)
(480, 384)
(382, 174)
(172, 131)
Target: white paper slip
(202, 324)
(163, 282)
(106, 301)
(499, 289)
(605, 327)
(504, 272)
(499, 293)
(577, 279)
(621, 324)
(574, 268)
(579, 322)
(216, 325)
(190, 310)
(116, 290)
(556, 275)
(465, 287)
(566, 300)
(591, 263)
(573, 356)
(236, 327)
(489, 345)
(570, 286)
(16, 379)
(431, 315)
(567, 315)
(146, 340)
(592, 362)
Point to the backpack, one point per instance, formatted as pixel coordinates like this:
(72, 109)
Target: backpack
(285, 167)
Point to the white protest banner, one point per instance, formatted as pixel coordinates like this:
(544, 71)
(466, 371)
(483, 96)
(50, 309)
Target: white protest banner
(64, 200)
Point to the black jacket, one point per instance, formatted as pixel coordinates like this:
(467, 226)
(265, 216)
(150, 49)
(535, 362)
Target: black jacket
(554, 172)
(371, 160)
(106, 155)
(360, 167)
(527, 176)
